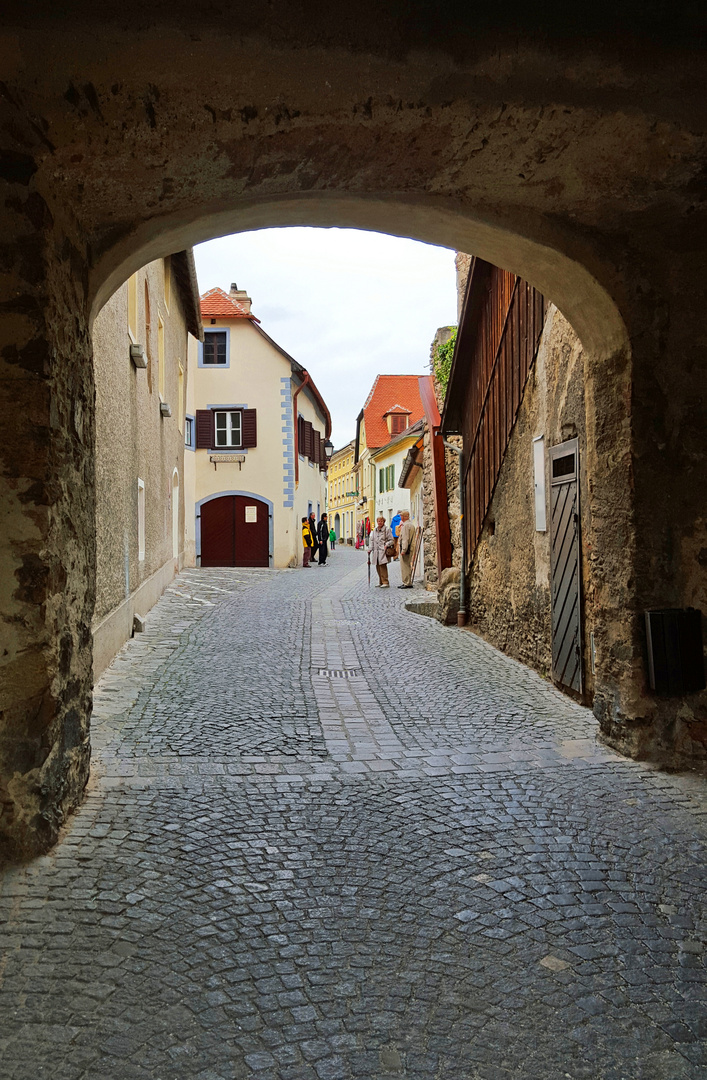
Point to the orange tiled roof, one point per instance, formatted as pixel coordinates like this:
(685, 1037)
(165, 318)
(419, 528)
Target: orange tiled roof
(217, 304)
(390, 393)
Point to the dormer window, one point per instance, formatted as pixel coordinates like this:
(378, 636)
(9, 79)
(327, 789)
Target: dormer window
(397, 419)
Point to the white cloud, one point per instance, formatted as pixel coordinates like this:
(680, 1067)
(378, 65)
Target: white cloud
(348, 305)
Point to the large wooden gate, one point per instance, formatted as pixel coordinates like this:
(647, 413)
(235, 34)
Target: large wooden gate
(235, 531)
(566, 584)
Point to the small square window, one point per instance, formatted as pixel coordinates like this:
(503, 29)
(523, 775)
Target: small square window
(215, 351)
(188, 432)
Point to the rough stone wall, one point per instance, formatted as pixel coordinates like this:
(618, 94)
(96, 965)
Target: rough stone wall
(509, 581)
(47, 550)
(462, 263)
(396, 126)
(429, 533)
(133, 440)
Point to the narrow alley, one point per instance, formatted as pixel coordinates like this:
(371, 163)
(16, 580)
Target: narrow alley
(326, 838)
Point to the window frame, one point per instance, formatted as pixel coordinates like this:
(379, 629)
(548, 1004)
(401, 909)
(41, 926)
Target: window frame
(229, 414)
(140, 519)
(208, 332)
(190, 430)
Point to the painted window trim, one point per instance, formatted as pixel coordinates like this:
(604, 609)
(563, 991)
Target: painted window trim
(141, 523)
(225, 408)
(190, 445)
(216, 367)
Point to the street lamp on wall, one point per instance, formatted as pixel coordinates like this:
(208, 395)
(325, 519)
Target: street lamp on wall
(328, 449)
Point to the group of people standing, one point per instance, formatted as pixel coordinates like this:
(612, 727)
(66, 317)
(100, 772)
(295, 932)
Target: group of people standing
(385, 543)
(316, 540)
(384, 546)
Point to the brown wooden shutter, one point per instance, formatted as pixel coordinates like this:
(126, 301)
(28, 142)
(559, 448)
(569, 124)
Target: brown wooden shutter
(204, 429)
(249, 429)
(308, 439)
(300, 435)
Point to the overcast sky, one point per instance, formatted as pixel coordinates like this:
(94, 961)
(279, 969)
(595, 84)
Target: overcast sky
(347, 305)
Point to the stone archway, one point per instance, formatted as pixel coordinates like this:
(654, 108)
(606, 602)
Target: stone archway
(560, 151)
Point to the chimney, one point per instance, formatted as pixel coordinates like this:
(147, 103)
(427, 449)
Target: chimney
(240, 296)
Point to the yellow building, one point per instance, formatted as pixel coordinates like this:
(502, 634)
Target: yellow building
(342, 493)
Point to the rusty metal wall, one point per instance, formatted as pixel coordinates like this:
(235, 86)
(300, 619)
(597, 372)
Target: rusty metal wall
(507, 333)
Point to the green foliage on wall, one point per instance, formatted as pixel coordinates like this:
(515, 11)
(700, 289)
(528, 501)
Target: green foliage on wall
(442, 360)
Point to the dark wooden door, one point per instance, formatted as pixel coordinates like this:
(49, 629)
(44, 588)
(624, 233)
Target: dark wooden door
(566, 592)
(252, 531)
(218, 532)
(235, 531)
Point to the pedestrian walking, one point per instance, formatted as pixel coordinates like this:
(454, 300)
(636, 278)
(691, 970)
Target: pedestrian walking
(406, 542)
(382, 547)
(313, 529)
(323, 538)
(306, 543)
(332, 539)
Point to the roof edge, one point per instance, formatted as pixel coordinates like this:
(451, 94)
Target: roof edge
(188, 285)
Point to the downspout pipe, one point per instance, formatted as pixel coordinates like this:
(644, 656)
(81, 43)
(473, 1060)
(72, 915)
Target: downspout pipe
(461, 616)
(294, 414)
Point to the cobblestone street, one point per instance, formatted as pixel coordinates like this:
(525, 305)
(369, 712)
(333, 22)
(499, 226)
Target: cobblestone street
(326, 838)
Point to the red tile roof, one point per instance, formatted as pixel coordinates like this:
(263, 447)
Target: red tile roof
(390, 393)
(217, 304)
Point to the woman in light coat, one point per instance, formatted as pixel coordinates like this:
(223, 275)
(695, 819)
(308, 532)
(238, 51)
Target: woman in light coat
(378, 541)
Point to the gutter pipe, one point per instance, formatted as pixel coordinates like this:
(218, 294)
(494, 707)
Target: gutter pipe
(461, 616)
(294, 411)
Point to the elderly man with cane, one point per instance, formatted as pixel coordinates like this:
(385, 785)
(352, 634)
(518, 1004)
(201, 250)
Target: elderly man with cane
(382, 548)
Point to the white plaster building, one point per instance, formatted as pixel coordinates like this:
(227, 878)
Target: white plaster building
(256, 429)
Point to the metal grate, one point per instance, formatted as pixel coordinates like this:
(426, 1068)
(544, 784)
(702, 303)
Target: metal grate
(338, 673)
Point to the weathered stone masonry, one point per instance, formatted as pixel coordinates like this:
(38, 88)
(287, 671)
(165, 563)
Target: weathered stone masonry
(572, 154)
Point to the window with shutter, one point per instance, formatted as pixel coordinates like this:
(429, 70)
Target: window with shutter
(381, 480)
(249, 429)
(308, 440)
(205, 429)
(398, 423)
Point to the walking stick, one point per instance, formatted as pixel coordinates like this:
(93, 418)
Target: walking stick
(369, 569)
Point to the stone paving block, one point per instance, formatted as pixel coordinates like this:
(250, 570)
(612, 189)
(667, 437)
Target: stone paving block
(426, 870)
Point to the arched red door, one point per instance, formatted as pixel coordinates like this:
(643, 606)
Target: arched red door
(235, 531)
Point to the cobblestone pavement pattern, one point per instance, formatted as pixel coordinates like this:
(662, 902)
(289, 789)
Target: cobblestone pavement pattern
(327, 838)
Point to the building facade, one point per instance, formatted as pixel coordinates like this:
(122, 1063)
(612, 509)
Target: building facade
(256, 431)
(342, 493)
(141, 347)
(388, 462)
(392, 406)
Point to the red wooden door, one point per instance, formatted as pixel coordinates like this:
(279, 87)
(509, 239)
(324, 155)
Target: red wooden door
(252, 532)
(218, 532)
(235, 531)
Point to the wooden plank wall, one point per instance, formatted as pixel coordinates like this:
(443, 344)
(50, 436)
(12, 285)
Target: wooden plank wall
(506, 338)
